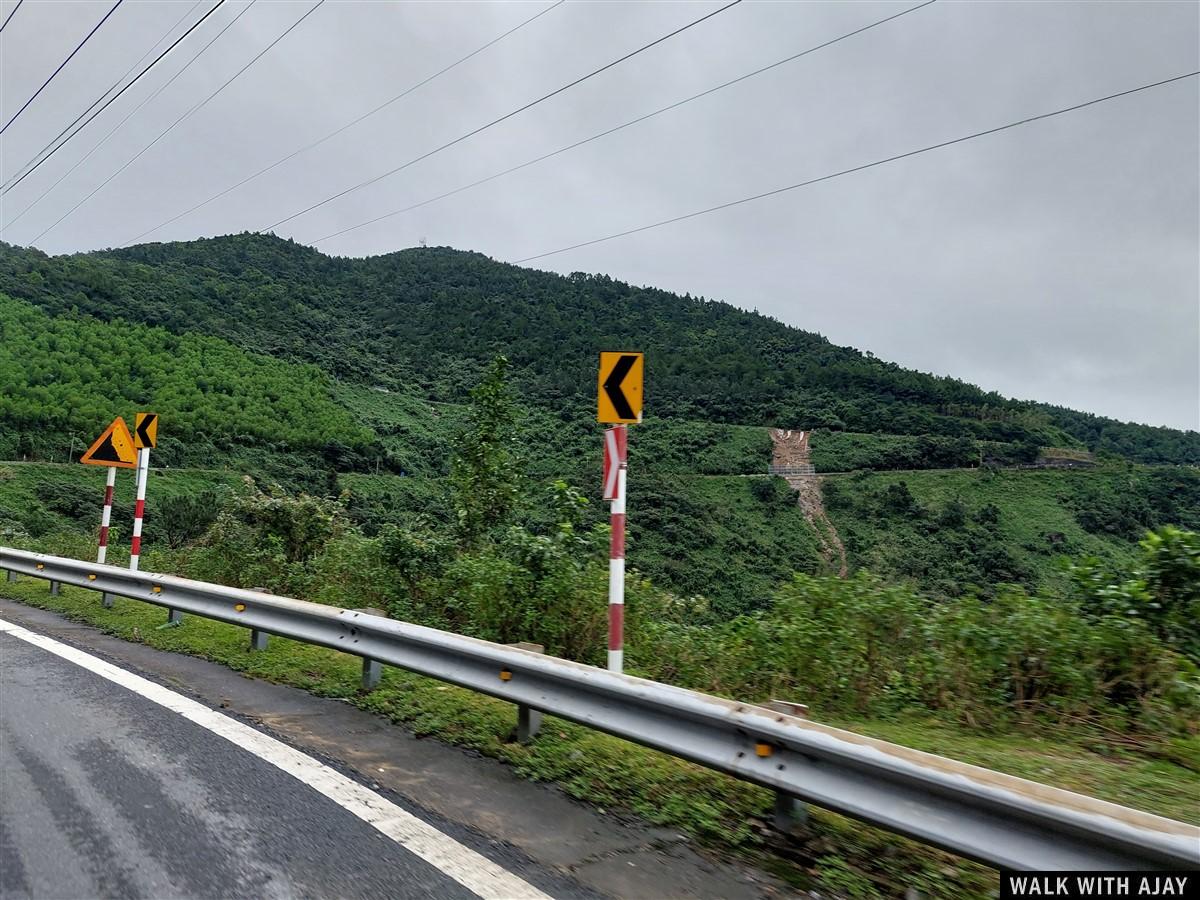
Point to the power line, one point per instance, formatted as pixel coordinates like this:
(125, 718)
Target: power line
(61, 65)
(870, 165)
(504, 117)
(39, 159)
(8, 18)
(194, 109)
(348, 125)
(625, 125)
(133, 112)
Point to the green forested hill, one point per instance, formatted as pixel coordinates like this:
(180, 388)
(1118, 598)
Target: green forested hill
(64, 377)
(337, 376)
(426, 320)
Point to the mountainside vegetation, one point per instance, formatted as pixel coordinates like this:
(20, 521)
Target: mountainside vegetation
(517, 560)
(335, 376)
(973, 531)
(428, 320)
(63, 376)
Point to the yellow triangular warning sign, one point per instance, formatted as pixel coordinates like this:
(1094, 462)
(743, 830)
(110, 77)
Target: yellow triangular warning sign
(113, 448)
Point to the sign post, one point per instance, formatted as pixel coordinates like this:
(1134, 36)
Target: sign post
(616, 444)
(113, 449)
(139, 506)
(619, 402)
(145, 437)
(106, 514)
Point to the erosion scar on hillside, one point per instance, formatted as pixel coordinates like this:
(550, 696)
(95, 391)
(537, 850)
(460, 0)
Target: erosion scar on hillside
(790, 450)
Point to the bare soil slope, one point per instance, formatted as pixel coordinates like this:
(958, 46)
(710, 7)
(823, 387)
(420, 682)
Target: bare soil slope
(791, 450)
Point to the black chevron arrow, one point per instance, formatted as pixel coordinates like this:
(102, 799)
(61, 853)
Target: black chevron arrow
(142, 429)
(612, 387)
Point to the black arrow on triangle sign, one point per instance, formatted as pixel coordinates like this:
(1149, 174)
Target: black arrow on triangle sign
(143, 429)
(612, 387)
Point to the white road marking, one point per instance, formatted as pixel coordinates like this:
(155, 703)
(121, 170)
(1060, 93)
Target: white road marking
(475, 872)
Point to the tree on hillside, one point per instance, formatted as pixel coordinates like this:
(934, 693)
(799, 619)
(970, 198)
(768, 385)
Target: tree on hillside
(1163, 590)
(486, 472)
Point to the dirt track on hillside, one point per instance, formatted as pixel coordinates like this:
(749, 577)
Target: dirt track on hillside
(791, 449)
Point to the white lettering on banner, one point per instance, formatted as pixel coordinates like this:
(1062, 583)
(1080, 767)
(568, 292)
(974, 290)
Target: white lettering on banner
(1040, 886)
(1097, 885)
(1103, 886)
(1162, 886)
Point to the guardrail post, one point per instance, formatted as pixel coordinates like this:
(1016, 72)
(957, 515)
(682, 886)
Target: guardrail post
(12, 576)
(258, 639)
(54, 588)
(174, 617)
(106, 600)
(529, 723)
(788, 812)
(372, 669)
(529, 720)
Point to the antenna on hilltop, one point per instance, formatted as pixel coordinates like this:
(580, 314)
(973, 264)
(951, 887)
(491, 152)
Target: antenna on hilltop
(423, 244)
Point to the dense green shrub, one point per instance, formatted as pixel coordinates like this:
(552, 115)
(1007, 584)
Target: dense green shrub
(1123, 514)
(185, 517)
(836, 451)
(771, 490)
(864, 647)
(897, 500)
(1163, 591)
(268, 539)
(66, 498)
(545, 585)
(487, 471)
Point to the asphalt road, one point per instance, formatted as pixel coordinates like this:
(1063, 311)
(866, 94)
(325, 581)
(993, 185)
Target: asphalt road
(127, 771)
(104, 793)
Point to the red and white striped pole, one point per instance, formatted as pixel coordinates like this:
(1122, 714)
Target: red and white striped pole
(139, 507)
(106, 515)
(616, 445)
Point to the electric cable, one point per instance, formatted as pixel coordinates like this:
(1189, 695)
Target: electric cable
(62, 65)
(8, 18)
(624, 125)
(504, 117)
(116, 84)
(186, 115)
(144, 102)
(870, 165)
(348, 125)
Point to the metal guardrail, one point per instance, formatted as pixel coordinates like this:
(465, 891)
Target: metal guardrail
(798, 469)
(984, 815)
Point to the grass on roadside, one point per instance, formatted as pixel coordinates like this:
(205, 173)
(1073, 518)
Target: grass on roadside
(835, 854)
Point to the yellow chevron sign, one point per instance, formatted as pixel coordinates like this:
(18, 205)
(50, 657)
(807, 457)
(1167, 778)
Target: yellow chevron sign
(620, 387)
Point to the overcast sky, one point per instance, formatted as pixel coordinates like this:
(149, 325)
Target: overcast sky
(1058, 261)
